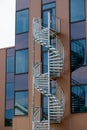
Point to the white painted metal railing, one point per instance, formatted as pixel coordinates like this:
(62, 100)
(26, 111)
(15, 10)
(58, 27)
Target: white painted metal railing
(46, 36)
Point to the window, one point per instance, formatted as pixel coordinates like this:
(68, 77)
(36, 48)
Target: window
(77, 8)
(10, 65)
(9, 91)
(44, 62)
(22, 21)
(49, 8)
(8, 117)
(22, 61)
(79, 98)
(78, 53)
(9, 104)
(21, 103)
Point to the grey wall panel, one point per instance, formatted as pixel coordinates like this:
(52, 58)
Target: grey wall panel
(78, 30)
(47, 1)
(10, 104)
(10, 77)
(21, 4)
(22, 41)
(21, 82)
(10, 52)
(80, 75)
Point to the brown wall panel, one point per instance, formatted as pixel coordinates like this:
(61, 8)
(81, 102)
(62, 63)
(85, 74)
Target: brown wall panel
(35, 11)
(21, 123)
(2, 89)
(62, 9)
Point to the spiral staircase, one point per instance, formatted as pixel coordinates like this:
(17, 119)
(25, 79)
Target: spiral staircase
(41, 81)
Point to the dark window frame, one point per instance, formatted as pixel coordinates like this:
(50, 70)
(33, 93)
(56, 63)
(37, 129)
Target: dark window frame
(18, 91)
(84, 85)
(15, 61)
(16, 23)
(76, 21)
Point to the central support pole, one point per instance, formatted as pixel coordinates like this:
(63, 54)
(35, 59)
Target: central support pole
(48, 71)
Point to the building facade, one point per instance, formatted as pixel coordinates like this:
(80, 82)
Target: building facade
(18, 97)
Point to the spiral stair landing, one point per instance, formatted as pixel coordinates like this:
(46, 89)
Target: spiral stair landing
(42, 80)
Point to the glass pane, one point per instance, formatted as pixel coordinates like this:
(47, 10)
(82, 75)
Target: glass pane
(53, 87)
(44, 107)
(22, 21)
(79, 98)
(78, 54)
(21, 61)
(49, 6)
(9, 90)
(45, 18)
(8, 117)
(21, 103)
(77, 8)
(52, 9)
(10, 64)
(44, 62)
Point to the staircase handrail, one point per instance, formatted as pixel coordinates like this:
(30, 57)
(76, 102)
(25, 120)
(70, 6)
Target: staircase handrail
(37, 69)
(37, 114)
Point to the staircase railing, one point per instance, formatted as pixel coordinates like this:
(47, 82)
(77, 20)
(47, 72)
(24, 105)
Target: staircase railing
(45, 36)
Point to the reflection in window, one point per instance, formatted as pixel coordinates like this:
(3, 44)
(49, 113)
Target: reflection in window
(22, 61)
(77, 8)
(78, 53)
(22, 21)
(10, 64)
(44, 62)
(53, 85)
(49, 8)
(9, 104)
(79, 98)
(9, 91)
(8, 117)
(21, 103)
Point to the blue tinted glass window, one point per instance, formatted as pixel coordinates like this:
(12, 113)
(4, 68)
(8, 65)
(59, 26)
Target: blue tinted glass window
(53, 85)
(78, 53)
(48, 6)
(44, 107)
(8, 117)
(45, 17)
(79, 98)
(45, 62)
(52, 9)
(21, 103)
(77, 8)
(22, 21)
(9, 91)
(22, 61)
(10, 64)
